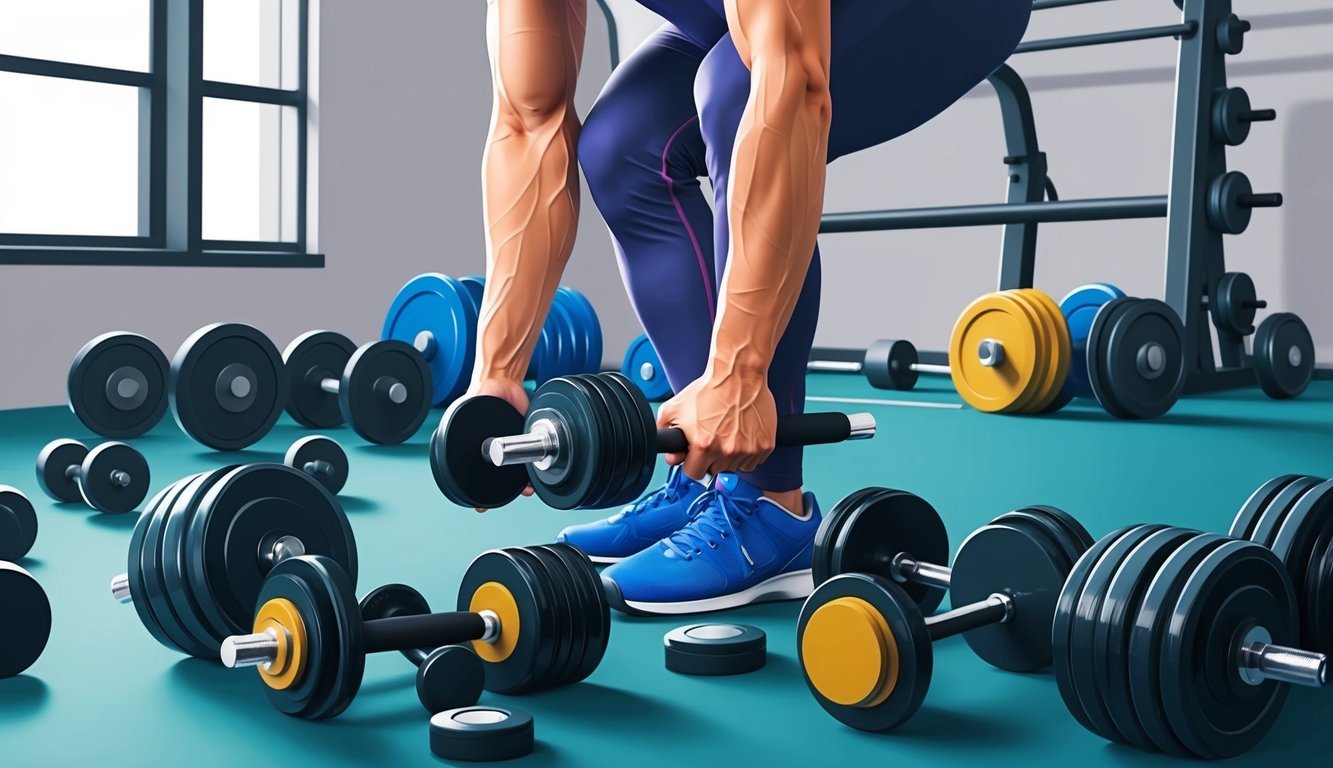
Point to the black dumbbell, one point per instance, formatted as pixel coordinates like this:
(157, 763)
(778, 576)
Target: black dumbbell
(536, 616)
(588, 441)
(383, 389)
(888, 364)
(322, 458)
(118, 385)
(18, 524)
(203, 545)
(25, 620)
(1172, 640)
(226, 386)
(112, 478)
(864, 641)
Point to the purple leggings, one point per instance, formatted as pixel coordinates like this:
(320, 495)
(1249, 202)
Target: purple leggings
(669, 116)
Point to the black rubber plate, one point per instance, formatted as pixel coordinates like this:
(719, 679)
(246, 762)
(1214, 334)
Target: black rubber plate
(397, 600)
(1143, 322)
(226, 422)
(25, 614)
(1296, 544)
(557, 608)
(55, 459)
(118, 385)
(104, 494)
(616, 442)
(310, 359)
(449, 678)
(827, 533)
(643, 437)
(1243, 525)
(595, 606)
(481, 734)
(322, 458)
(145, 573)
(1266, 528)
(884, 525)
(521, 671)
(1098, 339)
(18, 524)
(573, 478)
(194, 604)
(363, 398)
(461, 472)
(715, 649)
(1284, 357)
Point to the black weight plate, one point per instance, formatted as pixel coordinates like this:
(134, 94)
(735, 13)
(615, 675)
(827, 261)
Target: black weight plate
(1075, 536)
(1266, 528)
(643, 436)
(1284, 357)
(181, 622)
(335, 657)
(532, 641)
(1120, 604)
(322, 458)
(609, 456)
(1233, 307)
(615, 441)
(115, 478)
(54, 462)
(1317, 626)
(821, 565)
(481, 734)
(311, 358)
(581, 626)
(145, 574)
(391, 600)
(449, 678)
(908, 629)
(193, 602)
(1295, 544)
(118, 385)
(363, 394)
(595, 606)
(227, 418)
(18, 524)
(888, 364)
(25, 614)
(1038, 524)
(574, 475)
(1141, 394)
(1213, 712)
(1243, 526)
(1151, 625)
(1095, 354)
(884, 525)
(715, 649)
(628, 462)
(243, 514)
(462, 473)
(1063, 653)
(558, 609)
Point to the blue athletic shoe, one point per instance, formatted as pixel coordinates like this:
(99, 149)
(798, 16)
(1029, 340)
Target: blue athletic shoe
(738, 548)
(639, 525)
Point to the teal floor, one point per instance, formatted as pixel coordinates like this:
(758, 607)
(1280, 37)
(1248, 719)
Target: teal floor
(105, 693)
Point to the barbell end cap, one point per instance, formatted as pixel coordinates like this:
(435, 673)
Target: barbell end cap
(861, 426)
(120, 589)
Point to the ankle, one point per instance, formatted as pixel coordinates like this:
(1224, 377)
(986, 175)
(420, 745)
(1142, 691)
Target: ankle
(792, 502)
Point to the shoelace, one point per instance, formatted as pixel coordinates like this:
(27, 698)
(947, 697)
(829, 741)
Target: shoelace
(714, 515)
(667, 494)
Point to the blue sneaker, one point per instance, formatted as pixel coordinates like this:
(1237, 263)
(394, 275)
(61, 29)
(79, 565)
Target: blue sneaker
(639, 525)
(738, 548)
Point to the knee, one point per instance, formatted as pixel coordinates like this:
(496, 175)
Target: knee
(604, 147)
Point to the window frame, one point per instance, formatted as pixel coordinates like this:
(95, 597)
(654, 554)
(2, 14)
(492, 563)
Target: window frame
(171, 107)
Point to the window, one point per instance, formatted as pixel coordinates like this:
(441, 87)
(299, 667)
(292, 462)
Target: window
(164, 132)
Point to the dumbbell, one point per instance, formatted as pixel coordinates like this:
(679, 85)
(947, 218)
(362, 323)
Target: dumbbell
(25, 620)
(864, 641)
(536, 616)
(322, 458)
(111, 478)
(381, 389)
(203, 545)
(588, 441)
(888, 364)
(118, 385)
(1172, 640)
(18, 524)
(226, 386)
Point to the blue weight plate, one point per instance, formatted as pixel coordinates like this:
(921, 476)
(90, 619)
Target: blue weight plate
(591, 327)
(574, 332)
(643, 367)
(1080, 307)
(1243, 526)
(476, 287)
(443, 313)
(560, 333)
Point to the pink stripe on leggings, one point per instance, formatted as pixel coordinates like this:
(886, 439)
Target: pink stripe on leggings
(704, 271)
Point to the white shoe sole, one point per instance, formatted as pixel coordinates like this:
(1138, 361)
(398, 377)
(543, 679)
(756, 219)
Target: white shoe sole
(604, 560)
(792, 585)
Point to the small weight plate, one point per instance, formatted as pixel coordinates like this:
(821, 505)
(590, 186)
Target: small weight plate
(481, 734)
(643, 367)
(1005, 387)
(884, 525)
(462, 473)
(591, 325)
(193, 602)
(821, 565)
(622, 464)
(1145, 358)
(226, 387)
(596, 609)
(1248, 516)
(364, 393)
(1265, 529)
(441, 313)
(715, 649)
(1284, 357)
(145, 574)
(25, 614)
(1079, 308)
(1295, 543)
(322, 458)
(391, 600)
(54, 462)
(516, 661)
(578, 472)
(310, 359)
(449, 678)
(1151, 626)
(334, 651)
(1213, 712)
(887, 619)
(1229, 105)
(888, 364)
(558, 609)
(1233, 304)
(115, 478)
(118, 385)
(1095, 355)
(18, 524)
(642, 457)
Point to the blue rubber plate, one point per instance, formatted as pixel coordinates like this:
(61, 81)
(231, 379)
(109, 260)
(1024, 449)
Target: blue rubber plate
(643, 367)
(445, 310)
(1080, 308)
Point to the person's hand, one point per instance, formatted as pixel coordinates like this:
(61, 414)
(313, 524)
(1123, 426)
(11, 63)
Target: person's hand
(508, 390)
(729, 422)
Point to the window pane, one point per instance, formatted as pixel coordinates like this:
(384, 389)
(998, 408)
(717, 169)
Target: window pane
(69, 157)
(249, 171)
(251, 42)
(103, 33)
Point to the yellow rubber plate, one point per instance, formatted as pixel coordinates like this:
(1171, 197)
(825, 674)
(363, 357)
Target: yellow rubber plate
(1057, 348)
(1045, 336)
(1003, 387)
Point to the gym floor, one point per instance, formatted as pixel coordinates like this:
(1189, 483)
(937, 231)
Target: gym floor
(105, 693)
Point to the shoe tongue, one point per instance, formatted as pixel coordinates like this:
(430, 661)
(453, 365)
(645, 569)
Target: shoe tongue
(677, 478)
(731, 485)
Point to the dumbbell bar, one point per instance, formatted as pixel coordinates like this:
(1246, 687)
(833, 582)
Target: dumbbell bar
(536, 616)
(888, 364)
(587, 441)
(111, 478)
(18, 524)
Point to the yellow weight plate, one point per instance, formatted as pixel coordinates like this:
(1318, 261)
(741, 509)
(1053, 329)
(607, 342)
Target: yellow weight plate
(1005, 387)
(494, 596)
(281, 616)
(1045, 341)
(1061, 350)
(849, 653)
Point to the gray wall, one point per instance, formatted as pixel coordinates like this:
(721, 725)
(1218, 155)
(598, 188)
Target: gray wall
(403, 112)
